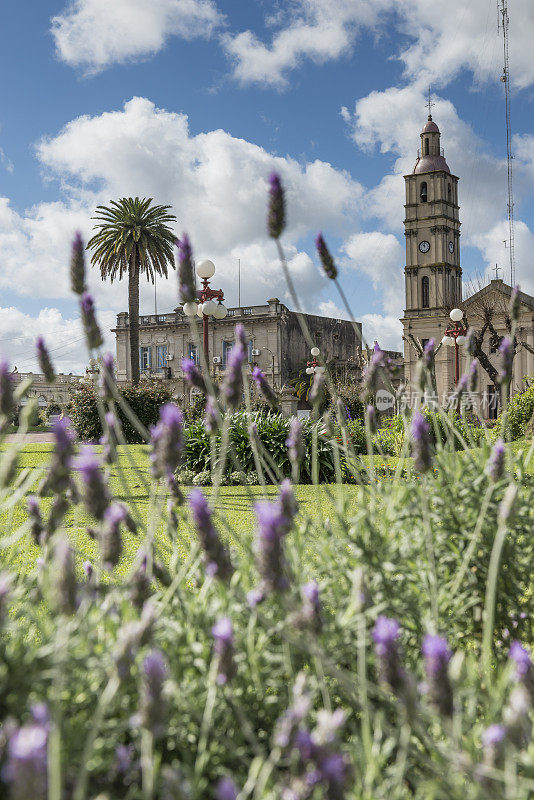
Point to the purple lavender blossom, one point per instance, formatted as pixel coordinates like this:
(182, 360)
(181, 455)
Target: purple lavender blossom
(232, 386)
(428, 353)
(295, 442)
(515, 304)
(378, 362)
(140, 585)
(276, 218)
(152, 711)
(186, 277)
(492, 738)
(274, 523)
(217, 557)
(471, 343)
(123, 758)
(473, 375)
(226, 790)
(7, 402)
(110, 538)
(506, 349)
(26, 769)
(437, 656)
(107, 376)
(45, 362)
(524, 668)
(93, 335)
(95, 493)
(309, 614)
(37, 527)
(326, 257)
(385, 635)
(370, 415)
(211, 416)
(223, 635)
(167, 441)
(495, 465)
(317, 390)
(421, 446)
(88, 569)
(110, 439)
(58, 479)
(64, 584)
(264, 387)
(193, 375)
(77, 265)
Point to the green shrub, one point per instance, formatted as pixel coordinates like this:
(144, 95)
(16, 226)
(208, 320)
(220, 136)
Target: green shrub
(144, 400)
(202, 478)
(519, 416)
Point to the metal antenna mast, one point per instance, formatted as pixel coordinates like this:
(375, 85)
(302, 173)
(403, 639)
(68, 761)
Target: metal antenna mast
(503, 23)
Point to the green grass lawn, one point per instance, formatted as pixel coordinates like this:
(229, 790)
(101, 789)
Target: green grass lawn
(130, 483)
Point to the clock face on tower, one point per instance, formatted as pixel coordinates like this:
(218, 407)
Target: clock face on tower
(451, 247)
(424, 246)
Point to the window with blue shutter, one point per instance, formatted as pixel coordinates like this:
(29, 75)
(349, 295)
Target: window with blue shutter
(144, 358)
(161, 356)
(193, 353)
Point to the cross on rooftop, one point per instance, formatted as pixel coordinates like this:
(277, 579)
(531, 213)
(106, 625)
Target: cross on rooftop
(496, 268)
(430, 104)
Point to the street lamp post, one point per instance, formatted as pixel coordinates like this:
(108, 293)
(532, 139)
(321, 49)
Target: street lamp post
(454, 337)
(206, 307)
(313, 365)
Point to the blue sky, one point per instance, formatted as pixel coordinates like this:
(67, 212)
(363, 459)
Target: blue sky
(193, 102)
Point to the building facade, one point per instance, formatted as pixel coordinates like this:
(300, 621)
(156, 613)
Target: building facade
(273, 334)
(433, 282)
(46, 392)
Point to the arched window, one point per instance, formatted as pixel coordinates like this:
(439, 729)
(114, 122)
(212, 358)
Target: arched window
(449, 192)
(424, 192)
(425, 292)
(426, 146)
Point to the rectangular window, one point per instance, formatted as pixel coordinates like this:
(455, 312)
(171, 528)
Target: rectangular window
(247, 312)
(161, 356)
(144, 358)
(193, 353)
(250, 347)
(231, 312)
(226, 349)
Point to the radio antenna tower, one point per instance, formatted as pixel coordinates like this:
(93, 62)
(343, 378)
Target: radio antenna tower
(503, 24)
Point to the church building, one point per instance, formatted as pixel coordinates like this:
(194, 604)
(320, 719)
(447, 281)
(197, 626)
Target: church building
(433, 284)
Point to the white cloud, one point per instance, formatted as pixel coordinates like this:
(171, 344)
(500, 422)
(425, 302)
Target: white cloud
(64, 339)
(94, 34)
(386, 330)
(492, 247)
(380, 257)
(444, 37)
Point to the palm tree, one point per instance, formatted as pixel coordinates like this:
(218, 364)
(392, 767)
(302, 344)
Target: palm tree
(133, 236)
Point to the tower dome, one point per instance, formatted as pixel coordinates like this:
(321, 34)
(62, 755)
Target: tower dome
(430, 158)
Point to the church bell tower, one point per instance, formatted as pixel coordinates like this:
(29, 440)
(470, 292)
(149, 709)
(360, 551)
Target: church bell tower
(432, 230)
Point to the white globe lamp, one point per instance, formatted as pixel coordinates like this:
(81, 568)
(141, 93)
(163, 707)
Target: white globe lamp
(448, 341)
(320, 370)
(200, 313)
(190, 309)
(220, 311)
(209, 308)
(315, 351)
(456, 314)
(461, 340)
(206, 269)
(309, 370)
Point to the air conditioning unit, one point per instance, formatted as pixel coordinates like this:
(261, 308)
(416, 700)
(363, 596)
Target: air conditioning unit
(255, 352)
(217, 360)
(170, 356)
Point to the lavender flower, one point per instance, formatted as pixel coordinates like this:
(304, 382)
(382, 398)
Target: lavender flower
(58, 479)
(167, 441)
(473, 375)
(107, 376)
(437, 656)
(264, 387)
(274, 522)
(110, 439)
(88, 569)
(471, 343)
(428, 353)
(193, 375)
(492, 740)
(26, 769)
(317, 389)
(77, 265)
(64, 584)
(59, 508)
(370, 414)
(232, 387)
(95, 493)
(45, 363)
(515, 304)
(37, 527)
(153, 708)
(516, 716)
(7, 401)
(132, 636)
(217, 557)
(425, 364)
(495, 465)
(276, 219)
(211, 416)
(507, 351)
(295, 442)
(223, 635)
(377, 363)
(309, 615)
(124, 758)
(110, 538)
(385, 635)
(93, 335)
(186, 276)
(140, 586)
(524, 668)
(326, 258)
(421, 445)
(226, 790)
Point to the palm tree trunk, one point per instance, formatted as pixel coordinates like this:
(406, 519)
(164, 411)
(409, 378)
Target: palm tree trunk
(133, 311)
